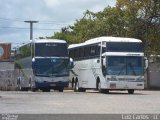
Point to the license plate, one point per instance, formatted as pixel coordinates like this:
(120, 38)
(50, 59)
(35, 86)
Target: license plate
(52, 84)
(112, 85)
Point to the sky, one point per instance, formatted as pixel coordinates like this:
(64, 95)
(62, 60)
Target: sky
(51, 14)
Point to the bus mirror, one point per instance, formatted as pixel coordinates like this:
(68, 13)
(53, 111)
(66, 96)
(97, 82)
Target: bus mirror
(146, 63)
(104, 62)
(71, 63)
(33, 62)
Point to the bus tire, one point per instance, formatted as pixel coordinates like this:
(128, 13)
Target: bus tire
(82, 90)
(76, 87)
(33, 89)
(18, 84)
(61, 89)
(19, 88)
(97, 82)
(30, 83)
(106, 91)
(100, 89)
(131, 91)
(73, 82)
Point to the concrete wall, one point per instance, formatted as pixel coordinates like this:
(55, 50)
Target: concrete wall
(8, 79)
(6, 65)
(8, 75)
(154, 75)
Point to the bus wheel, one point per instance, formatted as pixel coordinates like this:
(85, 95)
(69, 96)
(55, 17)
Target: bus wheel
(106, 91)
(99, 87)
(76, 87)
(82, 90)
(19, 88)
(61, 89)
(30, 83)
(130, 91)
(33, 89)
(102, 90)
(72, 82)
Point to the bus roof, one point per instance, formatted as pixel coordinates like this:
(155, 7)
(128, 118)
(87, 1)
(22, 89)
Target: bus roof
(49, 41)
(105, 39)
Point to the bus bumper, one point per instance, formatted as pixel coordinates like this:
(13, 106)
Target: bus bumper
(124, 85)
(51, 85)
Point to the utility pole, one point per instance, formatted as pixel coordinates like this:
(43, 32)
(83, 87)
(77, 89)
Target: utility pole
(31, 28)
(31, 32)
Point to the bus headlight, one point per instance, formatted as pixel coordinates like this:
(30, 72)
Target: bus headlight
(140, 79)
(112, 78)
(139, 84)
(38, 80)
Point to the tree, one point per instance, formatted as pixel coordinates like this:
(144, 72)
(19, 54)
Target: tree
(129, 18)
(144, 22)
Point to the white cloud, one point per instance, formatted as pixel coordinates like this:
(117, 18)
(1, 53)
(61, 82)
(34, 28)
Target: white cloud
(63, 12)
(52, 3)
(97, 8)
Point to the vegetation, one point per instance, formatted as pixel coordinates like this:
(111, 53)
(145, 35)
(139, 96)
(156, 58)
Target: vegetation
(129, 18)
(18, 65)
(23, 51)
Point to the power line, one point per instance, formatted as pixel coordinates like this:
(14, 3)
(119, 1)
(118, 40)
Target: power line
(8, 19)
(53, 23)
(12, 28)
(27, 28)
(40, 22)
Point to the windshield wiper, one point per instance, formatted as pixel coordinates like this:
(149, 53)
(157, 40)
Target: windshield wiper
(42, 75)
(122, 69)
(131, 66)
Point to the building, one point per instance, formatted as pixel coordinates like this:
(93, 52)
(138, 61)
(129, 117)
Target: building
(5, 51)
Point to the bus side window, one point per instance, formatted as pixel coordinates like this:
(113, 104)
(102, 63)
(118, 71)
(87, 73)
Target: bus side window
(74, 53)
(81, 52)
(103, 49)
(87, 51)
(93, 51)
(97, 50)
(71, 54)
(77, 55)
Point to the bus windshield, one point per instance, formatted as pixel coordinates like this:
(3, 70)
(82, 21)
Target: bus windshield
(51, 49)
(51, 67)
(125, 65)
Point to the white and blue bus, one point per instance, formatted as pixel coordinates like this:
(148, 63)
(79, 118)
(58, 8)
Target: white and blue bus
(49, 69)
(50, 65)
(108, 63)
